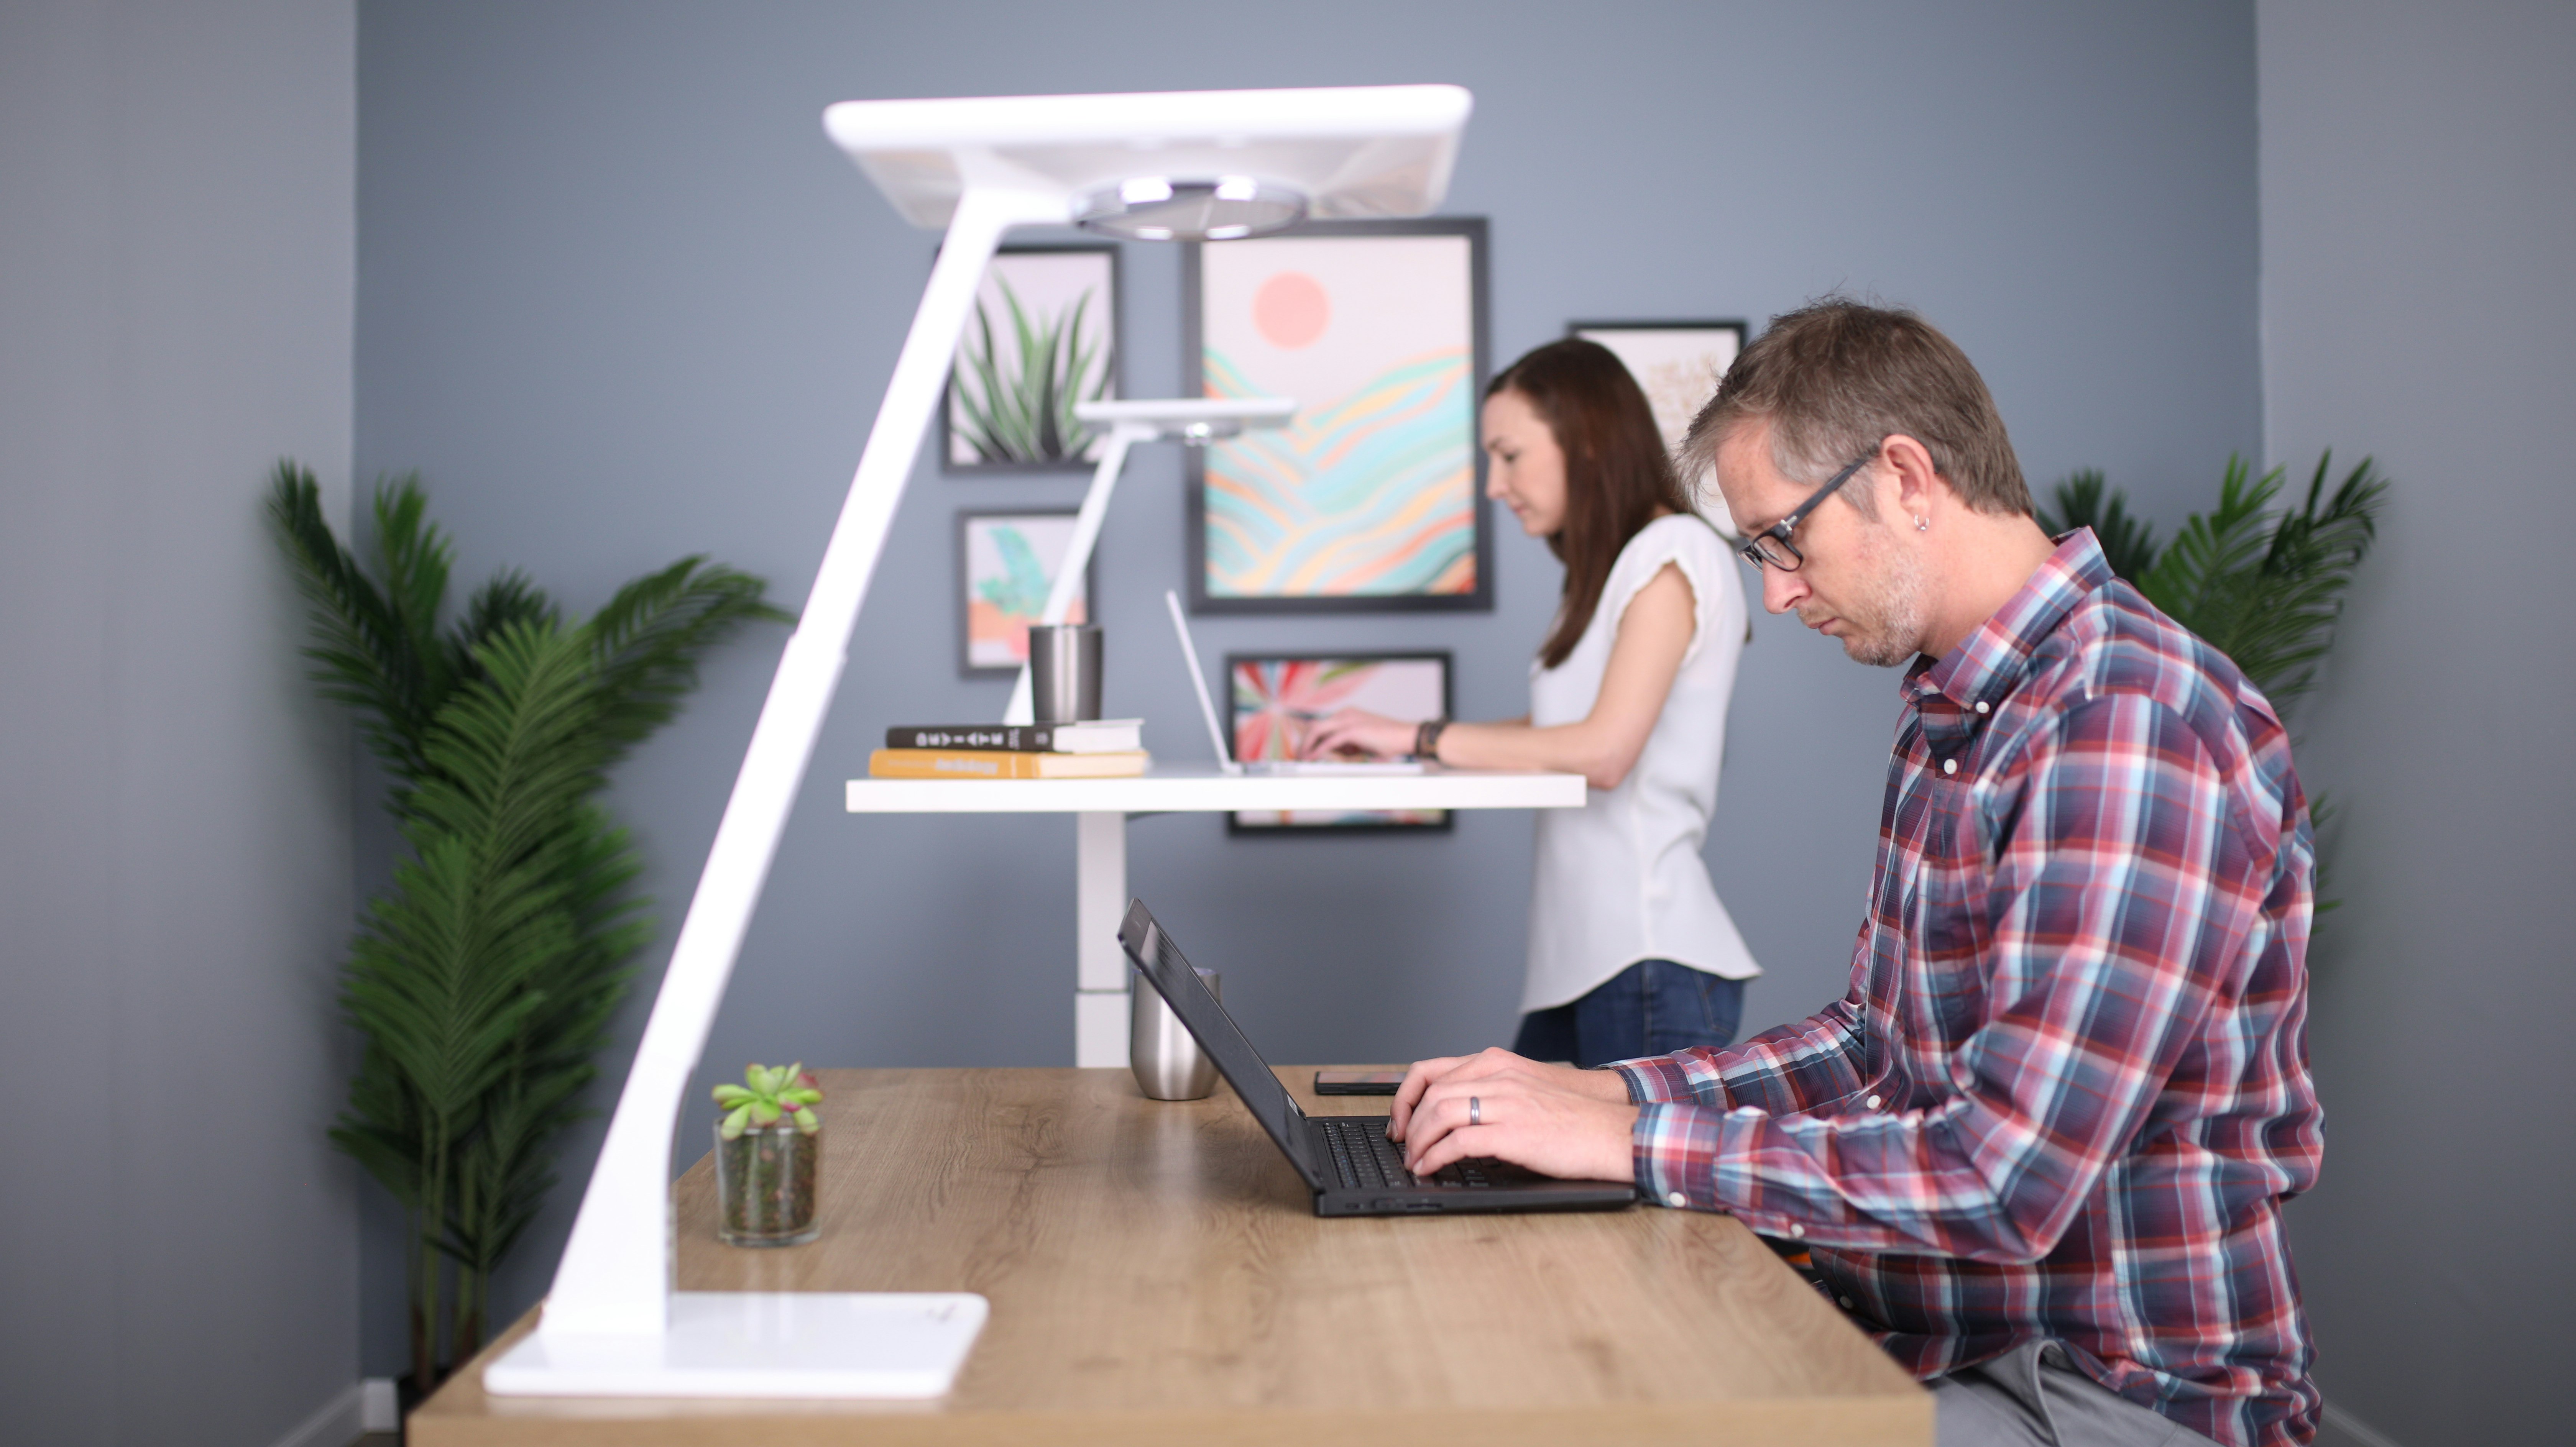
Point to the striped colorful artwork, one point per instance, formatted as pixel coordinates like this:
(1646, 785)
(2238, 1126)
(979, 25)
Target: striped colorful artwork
(1369, 493)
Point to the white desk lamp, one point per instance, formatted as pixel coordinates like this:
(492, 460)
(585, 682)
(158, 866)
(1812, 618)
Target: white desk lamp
(1180, 166)
(1194, 421)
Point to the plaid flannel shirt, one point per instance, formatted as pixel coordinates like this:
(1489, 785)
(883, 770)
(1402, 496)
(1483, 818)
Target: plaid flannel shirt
(2068, 1089)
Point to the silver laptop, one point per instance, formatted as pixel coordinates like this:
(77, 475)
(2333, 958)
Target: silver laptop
(1224, 747)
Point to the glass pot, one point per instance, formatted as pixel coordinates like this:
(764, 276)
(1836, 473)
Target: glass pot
(765, 1180)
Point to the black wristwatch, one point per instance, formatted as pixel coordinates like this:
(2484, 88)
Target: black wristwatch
(1426, 738)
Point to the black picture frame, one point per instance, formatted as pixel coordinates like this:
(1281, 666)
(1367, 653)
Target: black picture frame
(948, 463)
(964, 600)
(1476, 230)
(1375, 821)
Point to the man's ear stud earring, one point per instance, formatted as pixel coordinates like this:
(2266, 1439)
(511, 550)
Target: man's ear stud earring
(1923, 525)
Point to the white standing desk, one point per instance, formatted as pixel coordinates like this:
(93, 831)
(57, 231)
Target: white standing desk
(1103, 806)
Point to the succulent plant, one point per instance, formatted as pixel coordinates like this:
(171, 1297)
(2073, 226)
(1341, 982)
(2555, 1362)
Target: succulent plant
(766, 1093)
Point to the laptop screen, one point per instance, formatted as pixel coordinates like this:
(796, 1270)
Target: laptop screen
(1160, 962)
(1198, 682)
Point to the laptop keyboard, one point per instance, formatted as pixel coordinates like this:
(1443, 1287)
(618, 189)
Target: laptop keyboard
(1366, 1160)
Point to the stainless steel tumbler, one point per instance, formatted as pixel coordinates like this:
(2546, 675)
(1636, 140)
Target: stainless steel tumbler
(1064, 672)
(1166, 1058)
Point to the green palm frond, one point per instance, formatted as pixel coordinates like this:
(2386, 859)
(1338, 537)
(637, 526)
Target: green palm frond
(2206, 578)
(435, 978)
(412, 562)
(506, 599)
(451, 972)
(505, 1165)
(517, 750)
(442, 981)
(593, 863)
(485, 978)
(381, 1128)
(374, 647)
(443, 973)
(505, 1168)
(2085, 500)
(2267, 589)
(646, 642)
(2306, 575)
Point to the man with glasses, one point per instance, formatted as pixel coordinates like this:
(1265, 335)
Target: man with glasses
(2038, 1148)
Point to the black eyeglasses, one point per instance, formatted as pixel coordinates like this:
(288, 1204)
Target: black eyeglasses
(1772, 545)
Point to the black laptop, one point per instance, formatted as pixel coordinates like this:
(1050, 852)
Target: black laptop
(1353, 1169)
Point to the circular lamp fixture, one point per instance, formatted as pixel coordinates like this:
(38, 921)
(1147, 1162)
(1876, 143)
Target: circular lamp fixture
(1156, 208)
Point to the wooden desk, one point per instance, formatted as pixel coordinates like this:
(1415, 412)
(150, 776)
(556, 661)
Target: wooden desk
(1158, 1277)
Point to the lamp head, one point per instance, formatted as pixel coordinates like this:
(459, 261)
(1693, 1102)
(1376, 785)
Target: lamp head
(1167, 166)
(1159, 208)
(1194, 421)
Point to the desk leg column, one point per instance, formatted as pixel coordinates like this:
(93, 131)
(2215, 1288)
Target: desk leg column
(1100, 966)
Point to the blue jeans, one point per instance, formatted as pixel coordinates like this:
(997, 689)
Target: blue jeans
(1653, 1007)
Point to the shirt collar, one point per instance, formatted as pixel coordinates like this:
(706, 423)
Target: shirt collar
(1989, 662)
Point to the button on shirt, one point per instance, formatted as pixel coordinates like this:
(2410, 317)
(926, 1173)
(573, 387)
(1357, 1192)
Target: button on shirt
(2080, 996)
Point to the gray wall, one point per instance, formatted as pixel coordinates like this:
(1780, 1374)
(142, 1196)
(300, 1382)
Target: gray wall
(178, 1246)
(2419, 189)
(619, 301)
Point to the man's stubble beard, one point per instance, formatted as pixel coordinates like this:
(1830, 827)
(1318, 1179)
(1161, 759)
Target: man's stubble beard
(1885, 624)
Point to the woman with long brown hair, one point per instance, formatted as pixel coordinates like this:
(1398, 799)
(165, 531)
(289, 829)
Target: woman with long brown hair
(1630, 951)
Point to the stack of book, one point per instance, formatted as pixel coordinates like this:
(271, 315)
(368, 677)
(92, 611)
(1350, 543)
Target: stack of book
(1108, 748)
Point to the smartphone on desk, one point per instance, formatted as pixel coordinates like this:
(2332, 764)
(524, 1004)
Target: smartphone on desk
(1357, 1082)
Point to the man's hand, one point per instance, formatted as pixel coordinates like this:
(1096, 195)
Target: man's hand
(1554, 1119)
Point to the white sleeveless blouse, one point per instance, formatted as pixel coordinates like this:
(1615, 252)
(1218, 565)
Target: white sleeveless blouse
(1621, 880)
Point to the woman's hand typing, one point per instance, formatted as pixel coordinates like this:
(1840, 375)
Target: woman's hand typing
(1358, 731)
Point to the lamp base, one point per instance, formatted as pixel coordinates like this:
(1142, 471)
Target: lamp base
(760, 1344)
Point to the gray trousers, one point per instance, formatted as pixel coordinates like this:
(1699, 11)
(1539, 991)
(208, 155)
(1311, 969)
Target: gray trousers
(2032, 1396)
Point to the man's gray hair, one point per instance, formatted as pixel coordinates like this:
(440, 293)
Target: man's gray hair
(1837, 377)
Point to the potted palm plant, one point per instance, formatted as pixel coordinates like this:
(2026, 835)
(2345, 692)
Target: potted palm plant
(483, 978)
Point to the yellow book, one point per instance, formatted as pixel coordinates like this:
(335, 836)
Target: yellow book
(999, 764)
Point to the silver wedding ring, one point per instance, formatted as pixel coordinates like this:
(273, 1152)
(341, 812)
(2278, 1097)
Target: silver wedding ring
(1475, 1111)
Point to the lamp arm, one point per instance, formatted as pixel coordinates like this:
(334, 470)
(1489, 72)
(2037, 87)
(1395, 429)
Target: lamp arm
(1077, 551)
(615, 1276)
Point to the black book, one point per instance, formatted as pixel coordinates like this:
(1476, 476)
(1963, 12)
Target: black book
(1091, 736)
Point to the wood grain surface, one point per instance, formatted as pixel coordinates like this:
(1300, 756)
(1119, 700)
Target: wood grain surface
(1157, 1275)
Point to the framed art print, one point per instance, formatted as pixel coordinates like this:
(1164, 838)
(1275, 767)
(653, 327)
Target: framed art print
(1273, 699)
(1043, 337)
(1678, 364)
(1370, 498)
(1006, 562)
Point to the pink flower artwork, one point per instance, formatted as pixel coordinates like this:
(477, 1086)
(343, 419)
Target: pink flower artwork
(1276, 701)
